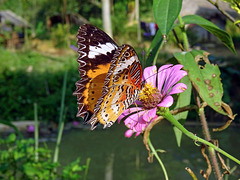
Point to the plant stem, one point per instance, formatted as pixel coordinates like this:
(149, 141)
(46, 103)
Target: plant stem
(87, 167)
(207, 135)
(155, 58)
(61, 122)
(224, 12)
(36, 134)
(170, 118)
(157, 157)
(184, 34)
(59, 138)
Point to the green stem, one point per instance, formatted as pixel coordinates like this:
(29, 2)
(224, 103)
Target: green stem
(61, 122)
(157, 157)
(170, 118)
(59, 138)
(184, 34)
(36, 134)
(156, 56)
(87, 167)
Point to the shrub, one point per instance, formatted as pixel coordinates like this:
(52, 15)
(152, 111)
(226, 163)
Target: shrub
(20, 161)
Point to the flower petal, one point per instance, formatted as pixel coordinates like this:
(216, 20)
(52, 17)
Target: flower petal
(175, 74)
(178, 88)
(150, 75)
(162, 75)
(129, 111)
(150, 114)
(129, 133)
(137, 133)
(133, 119)
(140, 126)
(166, 102)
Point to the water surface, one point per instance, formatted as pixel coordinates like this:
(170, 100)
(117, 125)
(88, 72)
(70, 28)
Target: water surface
(126, 159)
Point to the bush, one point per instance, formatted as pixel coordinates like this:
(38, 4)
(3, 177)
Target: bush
(20, 161)
(59, 36)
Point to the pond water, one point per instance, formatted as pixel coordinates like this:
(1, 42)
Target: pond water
(115, 157)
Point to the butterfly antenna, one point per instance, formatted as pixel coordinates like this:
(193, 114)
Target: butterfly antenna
(156, 73)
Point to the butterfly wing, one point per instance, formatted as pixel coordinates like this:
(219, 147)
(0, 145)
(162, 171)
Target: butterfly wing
(96, 50)
(121, 87)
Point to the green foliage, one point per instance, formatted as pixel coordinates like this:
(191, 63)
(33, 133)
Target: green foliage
(71, 171)
(60, 35)
(235, 4)
(183, 100)
(206, 79)
(119, 19)
(204, 76)
(41, 30)
(154, 48)
(223, 36)
(18, 162)
(165, 13)
(30, 77)
(232, 29)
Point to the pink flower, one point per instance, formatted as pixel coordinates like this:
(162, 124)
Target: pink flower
(75, 123)
(151, 97)
(73, 47)
(30, 129)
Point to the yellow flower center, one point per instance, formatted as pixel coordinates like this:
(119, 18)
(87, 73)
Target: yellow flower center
(150, 96)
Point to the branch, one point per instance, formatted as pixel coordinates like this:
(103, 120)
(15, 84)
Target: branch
(224, 12)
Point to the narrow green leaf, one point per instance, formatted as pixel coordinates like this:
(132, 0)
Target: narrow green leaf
(204, 76)
(10, 124)
(223, 36)
(165, 13)
(183, 100)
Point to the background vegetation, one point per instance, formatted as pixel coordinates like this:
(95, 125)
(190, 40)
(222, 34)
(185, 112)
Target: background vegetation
(34, 72)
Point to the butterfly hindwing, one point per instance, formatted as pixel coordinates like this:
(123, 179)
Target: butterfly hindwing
(121, 88)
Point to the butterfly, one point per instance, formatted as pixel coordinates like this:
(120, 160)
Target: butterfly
(110, 77)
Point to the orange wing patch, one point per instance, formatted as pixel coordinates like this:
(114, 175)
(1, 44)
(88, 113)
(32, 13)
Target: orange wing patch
(94, 88)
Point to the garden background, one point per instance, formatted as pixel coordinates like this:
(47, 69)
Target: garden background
(35, 54)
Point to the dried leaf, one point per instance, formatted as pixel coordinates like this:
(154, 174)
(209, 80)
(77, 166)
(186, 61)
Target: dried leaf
(209, 169)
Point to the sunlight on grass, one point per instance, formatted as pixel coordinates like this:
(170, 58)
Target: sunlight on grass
(35, 61)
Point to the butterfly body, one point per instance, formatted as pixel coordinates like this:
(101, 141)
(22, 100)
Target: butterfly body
(110, 77)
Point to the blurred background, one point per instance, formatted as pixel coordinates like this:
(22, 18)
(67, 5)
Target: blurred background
(35, 52)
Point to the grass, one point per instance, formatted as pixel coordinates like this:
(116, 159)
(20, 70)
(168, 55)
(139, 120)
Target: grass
(36, 61)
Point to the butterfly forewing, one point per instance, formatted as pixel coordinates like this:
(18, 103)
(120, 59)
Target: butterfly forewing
(96, 50)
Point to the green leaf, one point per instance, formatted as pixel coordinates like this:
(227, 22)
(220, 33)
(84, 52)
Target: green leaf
(224, 37)
(11, 138)
(30, 170)
(183, 100)
(165, 13)
(205, 77)
(154, 48)
(9, 123)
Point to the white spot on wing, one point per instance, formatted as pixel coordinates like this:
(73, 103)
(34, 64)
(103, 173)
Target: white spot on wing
(101, 49)
(125, 64)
